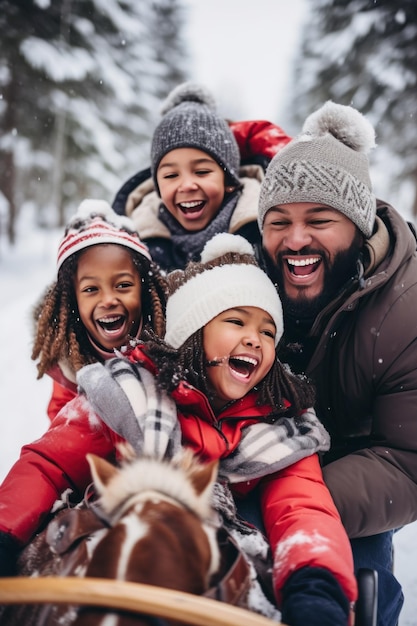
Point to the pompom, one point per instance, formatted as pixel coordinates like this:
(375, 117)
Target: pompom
(345, 123)
(188, 92)
(222, 244)
(91, 208)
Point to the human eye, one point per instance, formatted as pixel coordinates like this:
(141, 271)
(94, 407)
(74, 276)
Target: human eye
(89, 289)
(321, 218)
(321, 222)
(203, 172)
(234, 320)
(268, 333)
(170, 175)
(278, 223)
(124, 284)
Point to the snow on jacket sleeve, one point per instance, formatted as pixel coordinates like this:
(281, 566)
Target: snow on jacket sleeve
(50, 465)
(304, 527)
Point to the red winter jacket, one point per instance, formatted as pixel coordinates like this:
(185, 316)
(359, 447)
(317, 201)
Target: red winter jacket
(301, 521)
(258, 138)
(61, 395)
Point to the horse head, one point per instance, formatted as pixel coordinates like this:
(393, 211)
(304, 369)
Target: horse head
(161, 525)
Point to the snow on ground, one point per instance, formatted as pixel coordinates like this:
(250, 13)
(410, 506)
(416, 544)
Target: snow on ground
(25, 270)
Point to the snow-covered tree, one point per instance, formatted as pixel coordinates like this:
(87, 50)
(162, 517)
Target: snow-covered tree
(364, 53)
(80, 86)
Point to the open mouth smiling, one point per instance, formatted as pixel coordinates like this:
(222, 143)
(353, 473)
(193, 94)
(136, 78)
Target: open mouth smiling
(111, 324)
(191, 207)
(303, 266)
(243, 366)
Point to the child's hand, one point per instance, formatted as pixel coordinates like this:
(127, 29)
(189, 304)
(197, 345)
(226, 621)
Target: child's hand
(8, 554)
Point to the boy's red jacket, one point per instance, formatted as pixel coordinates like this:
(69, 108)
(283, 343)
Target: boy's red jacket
(301, 521)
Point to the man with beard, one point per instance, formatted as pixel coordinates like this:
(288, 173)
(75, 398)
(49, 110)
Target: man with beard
(345, 267)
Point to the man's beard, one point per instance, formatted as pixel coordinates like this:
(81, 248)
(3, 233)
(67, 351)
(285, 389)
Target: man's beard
(336, 275)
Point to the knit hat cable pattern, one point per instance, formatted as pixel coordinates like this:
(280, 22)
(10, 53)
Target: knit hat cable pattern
(327, 163)
(219, 285)
(94, 223)
(191, 121)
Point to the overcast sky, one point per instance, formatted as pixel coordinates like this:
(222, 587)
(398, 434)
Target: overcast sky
(243, 50)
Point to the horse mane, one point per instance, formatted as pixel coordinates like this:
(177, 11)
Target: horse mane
(182, 479)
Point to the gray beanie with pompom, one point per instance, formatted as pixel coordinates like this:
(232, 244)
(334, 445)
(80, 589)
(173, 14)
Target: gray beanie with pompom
(191, 121)
(327, 163)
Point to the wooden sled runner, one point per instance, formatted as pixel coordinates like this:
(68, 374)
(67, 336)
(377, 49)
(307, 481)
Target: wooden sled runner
(155, 601)
(135, 597)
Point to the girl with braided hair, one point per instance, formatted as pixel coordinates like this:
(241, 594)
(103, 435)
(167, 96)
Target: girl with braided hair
(107, 291)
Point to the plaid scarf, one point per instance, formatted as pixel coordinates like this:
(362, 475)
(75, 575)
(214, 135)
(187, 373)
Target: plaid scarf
(126, 397)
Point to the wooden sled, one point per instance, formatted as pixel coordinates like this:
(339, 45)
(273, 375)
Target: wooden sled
(159, 602)
(134, 597)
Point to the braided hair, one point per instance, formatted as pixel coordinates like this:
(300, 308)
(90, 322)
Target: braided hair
(59, 331)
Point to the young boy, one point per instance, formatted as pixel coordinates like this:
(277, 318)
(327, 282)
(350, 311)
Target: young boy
(196, 186)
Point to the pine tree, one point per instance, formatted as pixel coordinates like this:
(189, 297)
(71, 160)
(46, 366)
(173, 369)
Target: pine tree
(364, 53)
(80, 84)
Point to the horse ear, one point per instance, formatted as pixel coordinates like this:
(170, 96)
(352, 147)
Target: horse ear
(203, 476)
(101, 470)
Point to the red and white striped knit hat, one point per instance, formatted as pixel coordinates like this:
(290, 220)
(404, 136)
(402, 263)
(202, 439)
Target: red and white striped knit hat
(95, 222)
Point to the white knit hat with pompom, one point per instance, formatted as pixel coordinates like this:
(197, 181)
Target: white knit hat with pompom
(204, 290)
(327, 163)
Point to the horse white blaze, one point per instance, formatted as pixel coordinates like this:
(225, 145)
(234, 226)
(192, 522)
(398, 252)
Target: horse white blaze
(135, 531)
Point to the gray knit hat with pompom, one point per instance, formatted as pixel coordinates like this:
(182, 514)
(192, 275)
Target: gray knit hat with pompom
(191, 121)
(327, 163)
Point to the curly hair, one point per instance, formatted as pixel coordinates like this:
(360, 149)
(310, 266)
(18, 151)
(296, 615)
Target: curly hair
(188, 363)
(59, 332)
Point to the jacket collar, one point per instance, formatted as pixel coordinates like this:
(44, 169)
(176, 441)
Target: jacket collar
(190, 399)
(377, 247)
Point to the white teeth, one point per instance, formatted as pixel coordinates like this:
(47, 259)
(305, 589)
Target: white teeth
(247, 359)
(109, 320)
(303, 262)
(191, 205)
